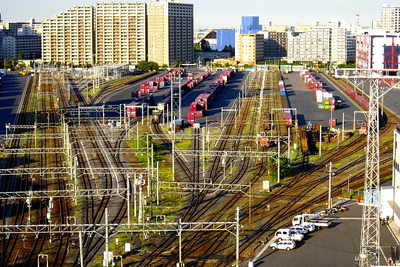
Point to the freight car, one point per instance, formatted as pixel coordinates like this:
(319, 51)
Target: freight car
(202, 102)
(185, 88)
(133, 109)
(359, 99)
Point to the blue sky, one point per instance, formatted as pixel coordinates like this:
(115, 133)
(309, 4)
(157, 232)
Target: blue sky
(223, 13)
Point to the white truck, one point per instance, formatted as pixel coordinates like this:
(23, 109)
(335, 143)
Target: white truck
(313, 218)
(288, 234)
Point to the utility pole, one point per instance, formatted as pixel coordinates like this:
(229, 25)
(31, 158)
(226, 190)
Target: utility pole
(370, 229)
(330, 186)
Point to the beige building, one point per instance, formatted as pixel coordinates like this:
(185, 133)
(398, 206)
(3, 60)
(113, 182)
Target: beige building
(250, 48)
(390, 18)
(68, 36)
(170, 32)
(120, 32)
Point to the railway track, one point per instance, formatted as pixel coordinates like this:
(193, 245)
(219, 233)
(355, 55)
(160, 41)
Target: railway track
(260, 217)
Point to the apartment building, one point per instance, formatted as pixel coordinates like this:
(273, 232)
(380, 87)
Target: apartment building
(120, 30)
(390, 18)
(69, 36)
(276, 44)
(332, 43)
(250, 48)
(28, 46)
(170, 32)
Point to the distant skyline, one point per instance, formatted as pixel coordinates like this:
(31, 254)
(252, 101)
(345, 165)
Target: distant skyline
(224, 13)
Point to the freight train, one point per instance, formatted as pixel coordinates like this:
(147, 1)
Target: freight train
(202, 101)
(185, 88)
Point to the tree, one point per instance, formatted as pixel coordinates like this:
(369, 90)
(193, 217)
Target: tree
(147, 65)
(229, 48)
(21, 55)
(284, 166)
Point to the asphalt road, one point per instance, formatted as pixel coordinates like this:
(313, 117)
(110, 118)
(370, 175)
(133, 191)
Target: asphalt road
(10, 97)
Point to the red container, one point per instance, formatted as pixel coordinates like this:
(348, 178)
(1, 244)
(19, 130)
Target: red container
(199, 114)
(193, 106)
(191, 115)
(132, 109)
(332, 122)
(191, 121)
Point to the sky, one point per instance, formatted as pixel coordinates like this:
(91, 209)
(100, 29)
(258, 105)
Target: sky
(224, 13)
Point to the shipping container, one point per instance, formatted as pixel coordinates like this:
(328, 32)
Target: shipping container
(332, 122)
(133, 109)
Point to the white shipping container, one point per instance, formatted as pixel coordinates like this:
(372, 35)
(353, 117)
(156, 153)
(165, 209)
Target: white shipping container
(327, 95)
(318, 95)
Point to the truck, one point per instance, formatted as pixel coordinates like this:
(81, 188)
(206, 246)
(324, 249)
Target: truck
(316, 219)
(288, 234)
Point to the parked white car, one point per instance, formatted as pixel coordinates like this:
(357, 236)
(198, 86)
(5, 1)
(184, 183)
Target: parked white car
(309, 226)
(285, 244)
(287, 234)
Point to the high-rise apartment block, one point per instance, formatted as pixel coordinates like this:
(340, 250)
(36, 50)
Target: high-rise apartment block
(69, 36)
(323, 43)
(250, 48)
(121, 32)
(390, 18)
(170, 32)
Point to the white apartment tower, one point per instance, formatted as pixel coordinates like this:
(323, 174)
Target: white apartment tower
(170, 32)
(390, 18)
(323, 43)
(120, 32)
(68, 36)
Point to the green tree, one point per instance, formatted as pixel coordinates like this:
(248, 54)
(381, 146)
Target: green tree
(229, 48)
(284, 166)
(147, 65)
(21, 55)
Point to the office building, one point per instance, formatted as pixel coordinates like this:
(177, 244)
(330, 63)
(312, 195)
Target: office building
(170, 32)
(69, 37)
(250, 25)
(225, 38)
(120, 30)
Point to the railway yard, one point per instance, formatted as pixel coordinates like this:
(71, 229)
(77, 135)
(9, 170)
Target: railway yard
(89, 180)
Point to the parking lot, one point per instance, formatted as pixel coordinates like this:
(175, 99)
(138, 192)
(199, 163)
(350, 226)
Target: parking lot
(334, 246)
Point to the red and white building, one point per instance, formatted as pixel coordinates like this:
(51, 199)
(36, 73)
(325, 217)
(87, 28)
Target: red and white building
(378, 51)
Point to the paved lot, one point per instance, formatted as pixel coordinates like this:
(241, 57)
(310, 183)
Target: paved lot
(10, 97)
(302, 98)
(336, 246)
